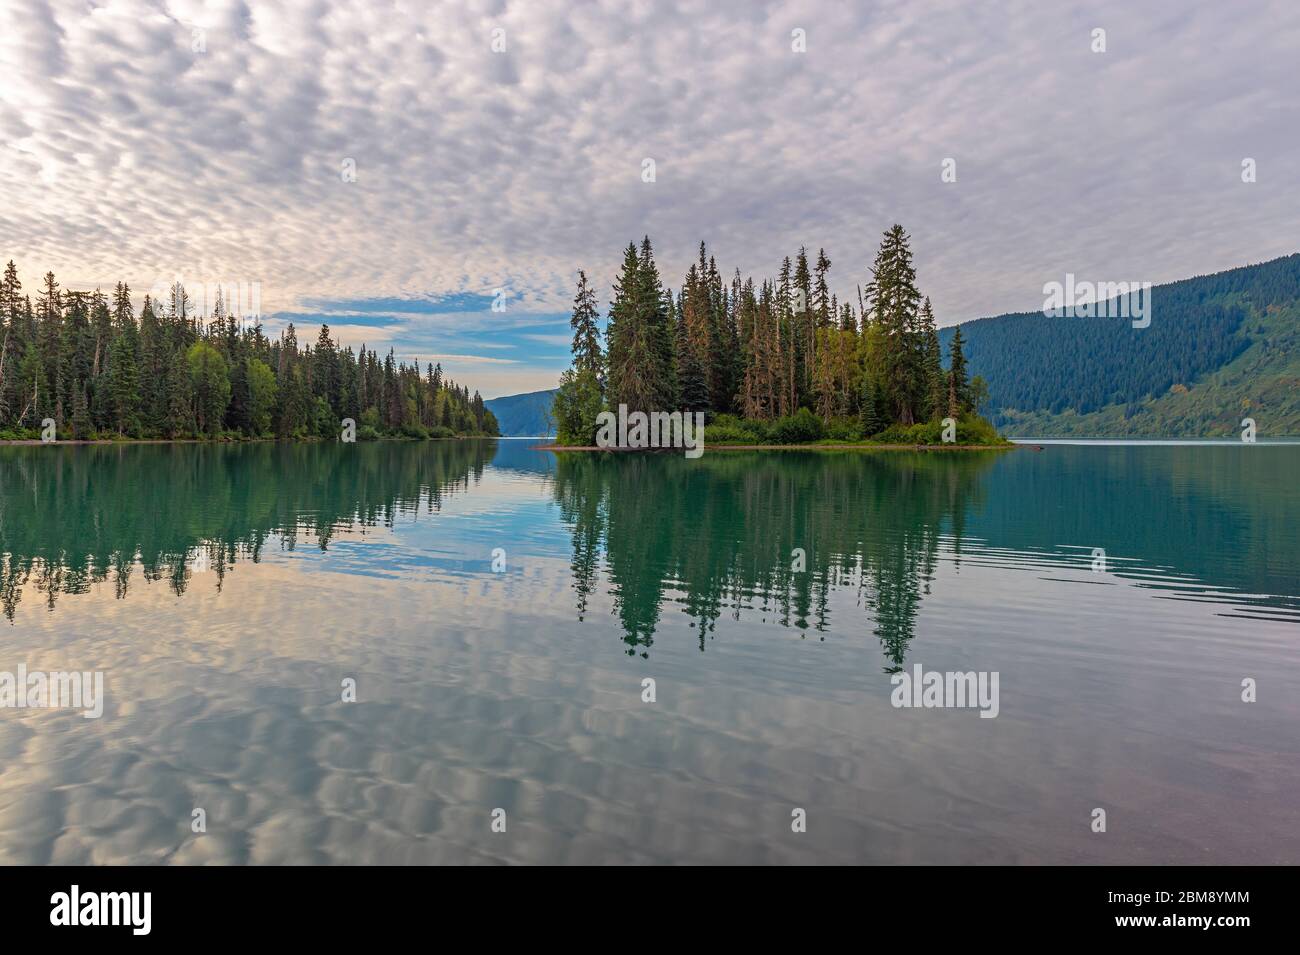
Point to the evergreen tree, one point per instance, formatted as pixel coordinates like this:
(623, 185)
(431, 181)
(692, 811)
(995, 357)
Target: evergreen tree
(178, 419)
(13, 342)
(720, 358)
(325, 369)
(123, 381)
(81, 424)
(869, 413)
(934, 380)
(49, 315)
(691, 327)
(823, 301)
(586, 335)
(894, 299)
(154, 369)
(622, 335)
(847, 321)
(958, 388)
(652, 307)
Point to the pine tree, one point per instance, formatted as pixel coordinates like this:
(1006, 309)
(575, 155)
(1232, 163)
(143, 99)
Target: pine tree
(13, 342)
(153, 369)
(622, 334)
(123, 381)
(847, 321)
(933, 378)
(894, 300)
(720, 360)
(178, 419)
(49, 312)
(804, 327)
(869, 415)
(586, 335)
(958, 387)
(325, 369)
(81, 424)
(652, 306)
(692, 377)
(823, 301)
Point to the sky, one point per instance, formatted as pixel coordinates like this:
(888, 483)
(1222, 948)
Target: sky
(396, 169)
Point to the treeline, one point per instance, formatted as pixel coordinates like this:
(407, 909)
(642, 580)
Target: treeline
(769, 351)
(85, 361)
(1037, 363)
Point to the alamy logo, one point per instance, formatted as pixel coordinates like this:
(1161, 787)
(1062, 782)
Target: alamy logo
(658, 429)
(946, 690)
(54, 690)
(103, 908)
(1098, 300)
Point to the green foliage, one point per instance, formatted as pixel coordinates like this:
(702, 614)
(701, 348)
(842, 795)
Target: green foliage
(844, 429)
(895, 304)
(210, 381)
(923, 432)
(799, 428)
(176, 373)
(586, 335)
(970, 430)
(577, 403)
(414, 430)
(1038, 367)
(782, 353)
(958, 386)
(729, 429)
(871, 416)
(261, 396)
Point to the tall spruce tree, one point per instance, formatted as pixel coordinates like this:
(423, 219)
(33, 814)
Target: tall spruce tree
(652, 307)
(823, 301)
(894, 300)
(624, 335)
(804, 322)
(958, 386)
(123, 381)
(933, 378)
(692, 376)
(587, 355)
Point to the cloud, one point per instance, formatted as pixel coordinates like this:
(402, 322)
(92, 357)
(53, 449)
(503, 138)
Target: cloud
(213, 139)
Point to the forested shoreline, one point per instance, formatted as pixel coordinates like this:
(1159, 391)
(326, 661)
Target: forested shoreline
(781, 361)
(84, 361)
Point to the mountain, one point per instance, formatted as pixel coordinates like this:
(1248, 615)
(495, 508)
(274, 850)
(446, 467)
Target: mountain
(523, 415)
(1219, 348)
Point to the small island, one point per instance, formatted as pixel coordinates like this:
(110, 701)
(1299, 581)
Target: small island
(778, 364)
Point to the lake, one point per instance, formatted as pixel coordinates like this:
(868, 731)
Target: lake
(496, 610)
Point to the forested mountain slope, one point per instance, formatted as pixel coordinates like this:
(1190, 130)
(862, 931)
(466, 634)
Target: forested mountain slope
(1218, 348)
(523, 415)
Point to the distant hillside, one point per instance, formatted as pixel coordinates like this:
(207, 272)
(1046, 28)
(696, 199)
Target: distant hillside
(1219, 348)
(523, 415)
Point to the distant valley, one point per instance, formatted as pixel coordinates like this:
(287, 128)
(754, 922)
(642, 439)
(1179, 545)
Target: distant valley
(526, 415)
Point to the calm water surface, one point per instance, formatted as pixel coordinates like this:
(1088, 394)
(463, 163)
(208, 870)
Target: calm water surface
(227, 592)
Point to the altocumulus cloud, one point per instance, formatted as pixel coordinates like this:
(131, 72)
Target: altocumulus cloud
(208, 140)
